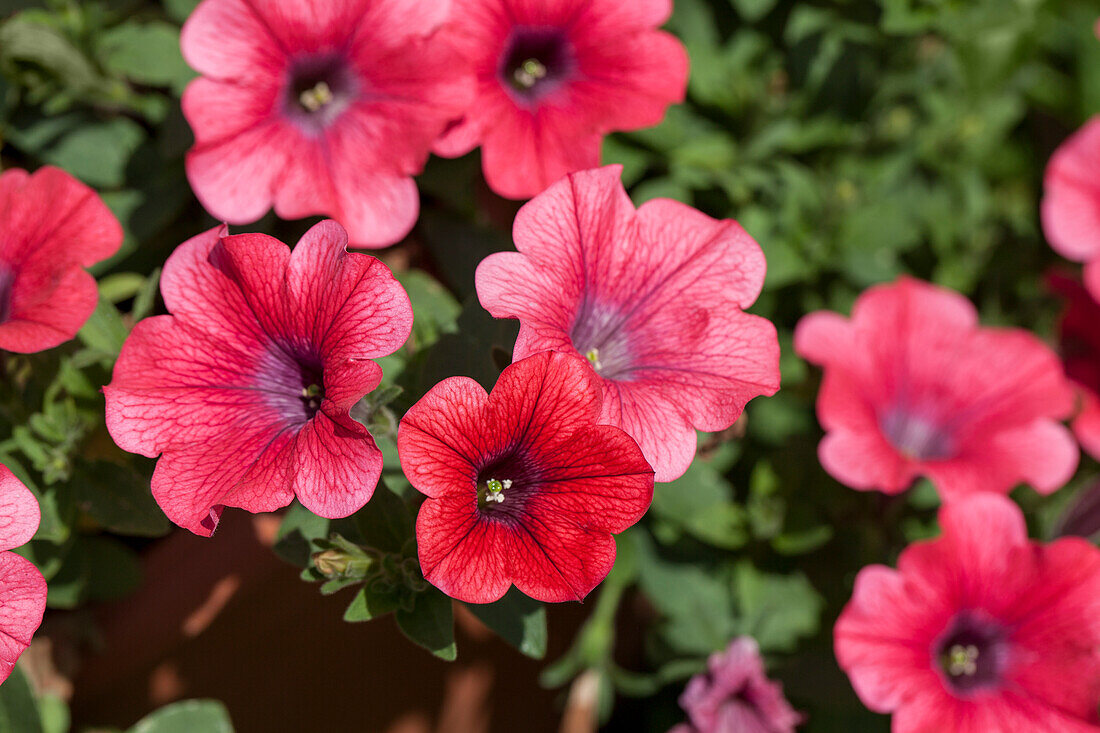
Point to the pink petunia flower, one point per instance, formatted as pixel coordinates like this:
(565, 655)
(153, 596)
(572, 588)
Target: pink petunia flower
(553, 77)
(913, 386)
(734, 695)
(1080, 344)
(52, 226)
(980, 630)
(654, 298)
(523, 486)
(1071, 201)
(245, 390)
(318, 107)
(22, 587)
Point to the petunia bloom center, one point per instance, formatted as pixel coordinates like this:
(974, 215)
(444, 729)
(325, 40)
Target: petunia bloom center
(491, 492)
(7, 281)
(972, 654)
(917, 436)
(599, 335)
(318, 89)
(293, 378)
(535, 62)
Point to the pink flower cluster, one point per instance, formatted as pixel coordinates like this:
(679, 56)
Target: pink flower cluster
(979, 630)
(22, 587)
(331, 108)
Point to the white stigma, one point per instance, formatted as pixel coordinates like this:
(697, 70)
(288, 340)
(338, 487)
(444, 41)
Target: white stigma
(317, 97)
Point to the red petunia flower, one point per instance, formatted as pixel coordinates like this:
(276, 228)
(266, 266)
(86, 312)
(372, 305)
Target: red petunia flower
(52, 226)
(523, 486)
(913, 386)
(318, 107)
(1071, 201)
(553, 77)
(734, 695)
(653, 298)
(979, 631)
(245, 390)
(22, 587)
(1080, 343)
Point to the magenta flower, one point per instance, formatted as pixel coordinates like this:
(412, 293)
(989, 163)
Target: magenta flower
(979, 631)
(1071, 201)
(523, 486)
(734, 695)
(22, 587)
(553, 77)
(654, 299)
(318, 108)
(53, 226)
(913, 386)
(1080, 344)
(245, 390)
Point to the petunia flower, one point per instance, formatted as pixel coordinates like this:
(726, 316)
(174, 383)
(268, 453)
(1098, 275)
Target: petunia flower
(654, 298)
(22, 587)
(1071, 201)
(245, 390)
(734, 695)
(1080, 346)
(980, 630)
(553, 77)
(523, 486)
(913, 386)
(52, 226)
(318, 107)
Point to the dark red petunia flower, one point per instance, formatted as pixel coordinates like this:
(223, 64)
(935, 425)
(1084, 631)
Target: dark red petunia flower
(245, 390)
(1071, 201)
(980, 630)
(653, 297)
(318, 107)
(52, 226)
(553, 77)
(22, 587)
(523, 486)
(1080, 345)
(735, 695)
(914, 386)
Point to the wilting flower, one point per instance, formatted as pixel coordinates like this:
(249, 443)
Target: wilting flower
(653, 298)
(1071, 201)
(913, 386)
(318, 108)
(52, 226)
(523, 486)
(245, 390)
(1080, 345)
(553, 77)
(22, 587)
(734, 695)
(979, 631)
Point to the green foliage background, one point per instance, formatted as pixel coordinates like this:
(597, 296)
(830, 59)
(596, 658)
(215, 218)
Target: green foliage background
(854, 139)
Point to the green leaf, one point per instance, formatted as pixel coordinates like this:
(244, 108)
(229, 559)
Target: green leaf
(519, 620)
(370, 603)
(430, 624)
(95, 151)
(120, 286)
(105, 330)
(696, 604)
(385, 522)
(435, 311)
(18, 712)
(295, 540)
(118, 498)
(753, 10)
(701, 503)
(189, 716)
(776, 610)
(147, 53)
(54, 714)
(94, 568)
